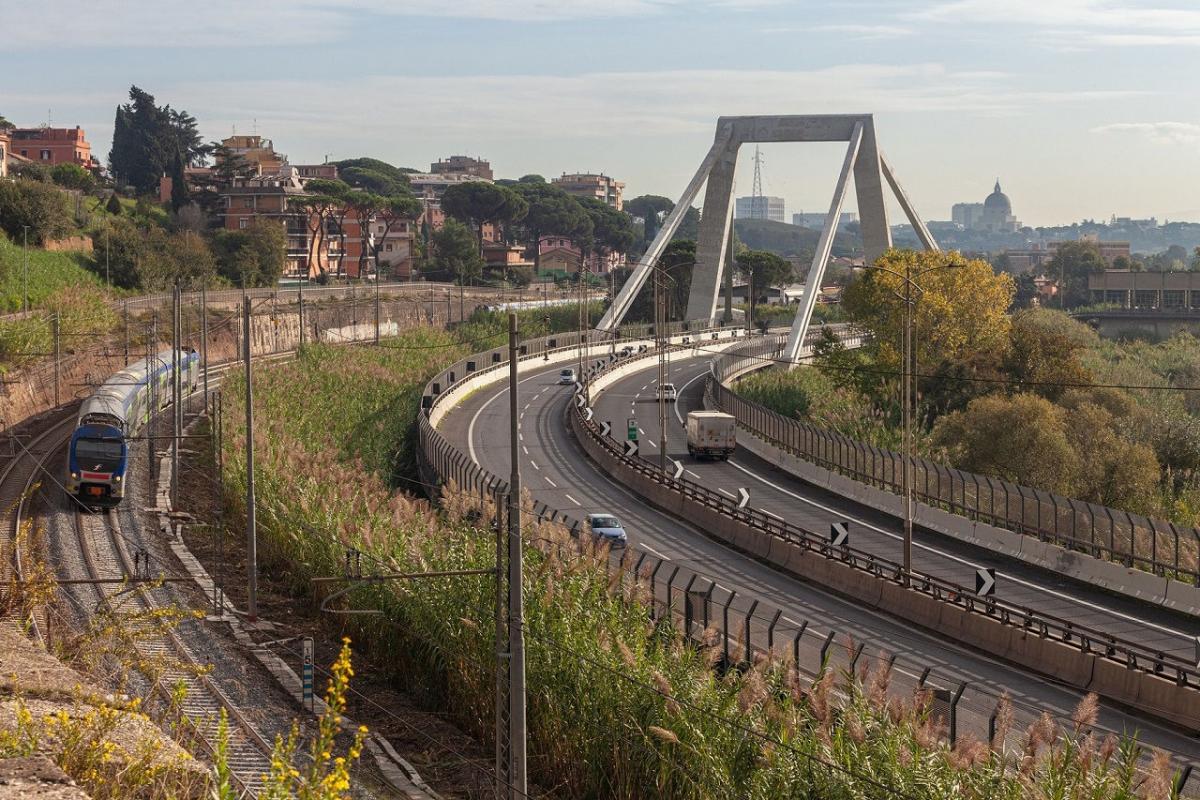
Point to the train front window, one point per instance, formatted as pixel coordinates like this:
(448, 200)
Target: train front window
(103, 454)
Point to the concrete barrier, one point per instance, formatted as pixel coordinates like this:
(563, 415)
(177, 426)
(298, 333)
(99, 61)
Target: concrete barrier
(1108, 575)
(1062, 661)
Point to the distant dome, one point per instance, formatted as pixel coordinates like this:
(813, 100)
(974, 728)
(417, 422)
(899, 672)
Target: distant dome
(997, 202)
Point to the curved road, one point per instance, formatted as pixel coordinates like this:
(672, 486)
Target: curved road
(557, 473)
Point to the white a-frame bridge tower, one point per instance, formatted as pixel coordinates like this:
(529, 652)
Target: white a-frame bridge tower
(863, 159)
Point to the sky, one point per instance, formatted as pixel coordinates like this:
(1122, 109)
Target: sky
(1081, 108)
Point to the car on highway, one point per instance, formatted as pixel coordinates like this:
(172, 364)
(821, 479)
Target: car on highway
(667, 393)
(608, 528)
(566, 377)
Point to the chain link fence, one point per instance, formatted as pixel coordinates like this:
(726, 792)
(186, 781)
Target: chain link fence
(1162, 548)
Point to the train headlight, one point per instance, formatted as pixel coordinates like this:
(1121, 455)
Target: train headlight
(117, 478)
(74, 476)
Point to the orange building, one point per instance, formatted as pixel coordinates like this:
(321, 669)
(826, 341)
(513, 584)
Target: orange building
(256, 150)
(51, 146)
(4, 146)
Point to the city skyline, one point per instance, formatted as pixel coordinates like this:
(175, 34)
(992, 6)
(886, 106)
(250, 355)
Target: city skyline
(1080, 113)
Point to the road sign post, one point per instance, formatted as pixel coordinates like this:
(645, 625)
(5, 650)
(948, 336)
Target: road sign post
(631, 430)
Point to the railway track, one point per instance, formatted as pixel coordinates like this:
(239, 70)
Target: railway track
(105, 552)
(17, 479)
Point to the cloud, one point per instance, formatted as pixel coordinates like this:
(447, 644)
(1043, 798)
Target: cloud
(239, 23)
(1180, 133)
(862, 32)
(1077, 24)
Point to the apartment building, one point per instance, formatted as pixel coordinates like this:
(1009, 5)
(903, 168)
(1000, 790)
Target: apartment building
(462, 165)
(587, 184)
(52, 146)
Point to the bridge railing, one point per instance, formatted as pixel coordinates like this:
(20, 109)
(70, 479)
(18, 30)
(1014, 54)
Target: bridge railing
(1159, 547)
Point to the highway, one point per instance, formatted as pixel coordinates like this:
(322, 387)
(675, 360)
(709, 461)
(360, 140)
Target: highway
(557, 473)
(775, 491)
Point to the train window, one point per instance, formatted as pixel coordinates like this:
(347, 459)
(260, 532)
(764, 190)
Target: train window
(98, 449)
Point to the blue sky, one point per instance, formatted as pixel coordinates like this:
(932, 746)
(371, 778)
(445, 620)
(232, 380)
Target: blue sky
(1082, 108)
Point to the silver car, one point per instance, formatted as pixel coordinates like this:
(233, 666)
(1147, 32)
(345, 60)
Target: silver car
(608, 528)
(566, 377)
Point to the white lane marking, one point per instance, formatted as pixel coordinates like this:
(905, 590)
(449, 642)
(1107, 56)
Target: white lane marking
(694, 475)
(476, 415)
(727, 493)
(644, 388)
(1060, 595)
(526, 449)
(644, 546)
(679, 393)
(572, 499)
(642, 431)
(550, 481)
(651, 443)
(535, 466)
(526, 408)
(520, 438)
(770, 514)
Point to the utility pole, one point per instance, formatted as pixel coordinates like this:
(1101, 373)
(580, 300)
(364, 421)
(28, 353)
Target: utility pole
(152, 409)
(660, 345)
(107, 250)
(377, 309)
(516, 633)
(57, 352)
(204, 339)
(907, 419)
(300, 291)
(25, 258)
(176, 392)
(125, 311)
(501, 649)
(582, 327)
(251, 527)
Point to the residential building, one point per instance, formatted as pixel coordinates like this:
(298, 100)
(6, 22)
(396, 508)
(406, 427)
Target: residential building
(305, 172)
(501, 257)
(588, 184)
(4, 147)
(1109, 251)
(761, 207)
(462, 165)
(396, 246)
(1146, 291)
(599, 263)
(258, 151)
(270, 197)
(816, 220)
(51, 146)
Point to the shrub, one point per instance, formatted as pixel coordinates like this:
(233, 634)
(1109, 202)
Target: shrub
(42, 207)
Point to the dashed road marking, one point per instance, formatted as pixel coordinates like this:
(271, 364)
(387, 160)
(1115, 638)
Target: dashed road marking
(572, 499)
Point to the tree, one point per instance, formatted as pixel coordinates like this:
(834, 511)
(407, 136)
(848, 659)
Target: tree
(649, 207)
(254, 256)
(1020, 439)
(146, 139)
(39, 206)
(326, 201)
(150, 259)
(228, 167)
(372, 175)
(551, 212)
(188, 141)
(612, 230)
(5, 125)
(1071, 264)
(455, 253)
(398, 208)
(113, 206)
(1041, 354)
(478, 203)
(179, 187)
(73, 176)
(764, 270)
(959, 310)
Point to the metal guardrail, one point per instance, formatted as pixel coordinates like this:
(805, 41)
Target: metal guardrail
(1161, 548)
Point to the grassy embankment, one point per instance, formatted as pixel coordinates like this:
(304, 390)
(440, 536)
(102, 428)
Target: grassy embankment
(58, 283)
(619, 706)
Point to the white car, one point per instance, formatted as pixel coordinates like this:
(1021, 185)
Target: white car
(667, 393)
(608, 528)
(566, 377)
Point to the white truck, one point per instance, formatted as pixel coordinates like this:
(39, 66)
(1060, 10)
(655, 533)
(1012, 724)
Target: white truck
(711, 434)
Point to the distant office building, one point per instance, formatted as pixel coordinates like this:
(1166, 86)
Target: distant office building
(966, 215)
(760, 208)
(1159, 291)
(588, 184)
(816, 220)
(464, 165)
(51, 146)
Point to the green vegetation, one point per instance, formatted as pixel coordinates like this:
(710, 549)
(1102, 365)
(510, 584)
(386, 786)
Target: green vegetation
(1029, 398)
(623, 707)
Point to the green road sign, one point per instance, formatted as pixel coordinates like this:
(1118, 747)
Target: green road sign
(632, 429)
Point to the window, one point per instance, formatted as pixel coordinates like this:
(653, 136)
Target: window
(1173, 298)
(243, 222)
(1145, 298)
(247, 202)
(44, 155)
(1195, 298)
(1118, 297)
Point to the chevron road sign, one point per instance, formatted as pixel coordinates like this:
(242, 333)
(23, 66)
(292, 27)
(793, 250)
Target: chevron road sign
(985, 581)
(743, 498)
(631, 448)
(587, 413)
(678, 470)
(839, 534)
(605, 428)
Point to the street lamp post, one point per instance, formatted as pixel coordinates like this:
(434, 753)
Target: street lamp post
(25, 274)
(908, 380)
